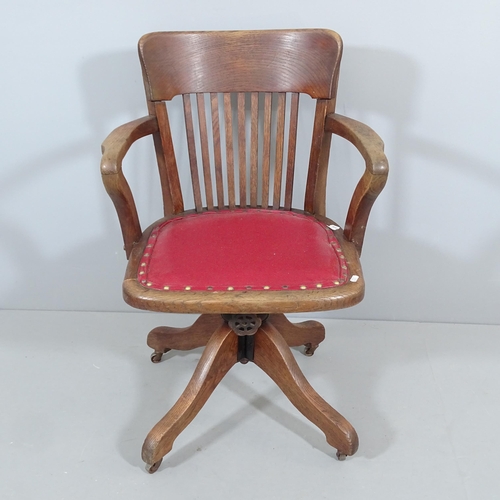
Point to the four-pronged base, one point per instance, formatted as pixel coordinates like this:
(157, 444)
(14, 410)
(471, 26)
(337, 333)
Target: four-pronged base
(269, 349)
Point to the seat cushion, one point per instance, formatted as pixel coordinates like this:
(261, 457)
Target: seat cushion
(242, 249)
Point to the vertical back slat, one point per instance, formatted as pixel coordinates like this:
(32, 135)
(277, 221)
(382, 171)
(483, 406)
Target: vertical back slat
(214, 100)
(254, 147)
(228, 123)
(292, 147)
(280, 141)
(188, 118)
(315, 156)
(170, 177)
(261, 158)
(242, 153)
(205, 156)
(266, 150)
(323, 157)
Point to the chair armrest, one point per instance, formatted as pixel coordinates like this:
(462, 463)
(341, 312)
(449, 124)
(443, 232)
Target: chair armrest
(114, 148)
(371, 147)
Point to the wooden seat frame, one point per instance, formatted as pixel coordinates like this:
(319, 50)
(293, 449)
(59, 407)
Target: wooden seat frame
(239, 64)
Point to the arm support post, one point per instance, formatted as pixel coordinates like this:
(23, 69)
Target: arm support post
(371, 147)
(114, 148)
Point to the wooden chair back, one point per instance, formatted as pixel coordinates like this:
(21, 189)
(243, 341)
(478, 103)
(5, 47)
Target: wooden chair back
(240, 93)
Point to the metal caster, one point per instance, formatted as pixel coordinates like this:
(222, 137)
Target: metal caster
(310, 348)
(156, 356)
(341, 456)
(154, 467)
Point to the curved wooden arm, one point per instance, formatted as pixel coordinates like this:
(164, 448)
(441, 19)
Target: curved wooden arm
(371, 147)
(114, 148)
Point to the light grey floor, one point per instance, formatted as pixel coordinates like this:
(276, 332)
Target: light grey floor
(79, 394)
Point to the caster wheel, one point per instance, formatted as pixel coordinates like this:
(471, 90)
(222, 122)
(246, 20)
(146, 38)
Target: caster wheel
(156, 357)
(341, 456)
(154, 467)
(310, 348)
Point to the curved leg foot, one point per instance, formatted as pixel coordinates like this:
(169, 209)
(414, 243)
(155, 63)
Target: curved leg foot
(308, 333)
(164, 338)
(273, 355)
(217, 359)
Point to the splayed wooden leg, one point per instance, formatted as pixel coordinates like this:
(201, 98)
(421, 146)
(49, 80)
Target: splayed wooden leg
(164, 338)
(308, 333)
(273, 355)
(217, 359)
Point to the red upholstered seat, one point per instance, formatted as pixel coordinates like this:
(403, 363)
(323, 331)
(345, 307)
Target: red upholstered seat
(242, 249)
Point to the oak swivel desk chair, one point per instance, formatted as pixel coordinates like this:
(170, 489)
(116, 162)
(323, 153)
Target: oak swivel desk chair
(243, 255)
